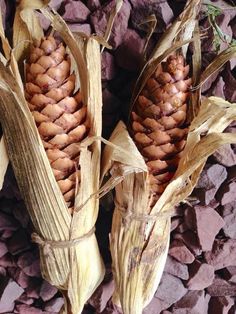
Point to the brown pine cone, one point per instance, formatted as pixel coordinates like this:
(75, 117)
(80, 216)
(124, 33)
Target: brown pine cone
(59, 114)
(158, 121)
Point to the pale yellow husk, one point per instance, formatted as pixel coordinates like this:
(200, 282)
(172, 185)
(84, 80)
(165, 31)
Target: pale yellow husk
(139, 248)
(139, 244)
(76, 271)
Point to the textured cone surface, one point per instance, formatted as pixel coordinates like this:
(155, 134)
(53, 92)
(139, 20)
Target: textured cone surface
(158, 121)
(59, 115)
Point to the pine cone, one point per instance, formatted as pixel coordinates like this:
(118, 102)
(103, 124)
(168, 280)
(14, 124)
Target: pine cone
(59, 115)
(158, 121)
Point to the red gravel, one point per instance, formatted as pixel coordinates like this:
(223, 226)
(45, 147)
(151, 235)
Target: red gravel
(200, 273)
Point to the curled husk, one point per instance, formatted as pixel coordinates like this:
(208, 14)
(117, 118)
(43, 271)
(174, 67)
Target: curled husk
(75, 269)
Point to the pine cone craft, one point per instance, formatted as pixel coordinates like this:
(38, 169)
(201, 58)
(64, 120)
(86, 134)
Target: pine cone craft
(158, 121)
(59, 114)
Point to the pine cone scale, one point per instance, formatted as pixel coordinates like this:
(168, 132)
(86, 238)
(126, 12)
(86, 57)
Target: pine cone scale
(59, 115)
(158, 121)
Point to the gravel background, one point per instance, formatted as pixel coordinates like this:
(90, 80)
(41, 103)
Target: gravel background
(200, 274)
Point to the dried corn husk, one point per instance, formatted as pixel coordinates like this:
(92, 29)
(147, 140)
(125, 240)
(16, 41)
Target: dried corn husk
(74, 267)
(139, 238)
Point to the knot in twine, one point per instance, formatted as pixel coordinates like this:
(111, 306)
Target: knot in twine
(127, 214)
(49, 245)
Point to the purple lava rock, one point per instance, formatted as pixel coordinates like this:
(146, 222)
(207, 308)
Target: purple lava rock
(129, 54)
(3, 249)
(7, 261)
(230, 87)
(220, 305)
(223, 254)
(225, 156)
(143, 9)
(18, 243)
(10, 291)
(27, 309)
(33, 289)
(176, 269)
(111, 309)
(29, 263)
(75, 12)
(217, 88)
(25, 300)
(93, 4)
(190, 240)
(8, 223)
(156, 306)
(210, 180)
(170, 290)
(108, 66)
(230, 274)
(180, 252)
(99, 20)
(221, 287)
(54, 305)
(19, 276)
(193, 302)
(229, 193)
(47, 291)
(209, 223)
(102, 295)
(201, 276)
(230, 224)
(55, 4)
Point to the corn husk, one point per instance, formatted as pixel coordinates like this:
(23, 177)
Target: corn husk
(139, 237)
(75, 269)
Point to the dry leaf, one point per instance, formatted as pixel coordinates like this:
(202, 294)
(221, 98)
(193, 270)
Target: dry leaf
(3, 161)
(196, 73)
(139, 239)
(111, 20)
(217, 63)
(140, 235)
(76, 270)
(26, 27)
(32, 22)
(21, 36)
(33, 4)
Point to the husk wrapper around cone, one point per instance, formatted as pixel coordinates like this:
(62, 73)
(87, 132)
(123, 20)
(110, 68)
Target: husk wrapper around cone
(77, 270)
(139, 247)
(140, 234)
